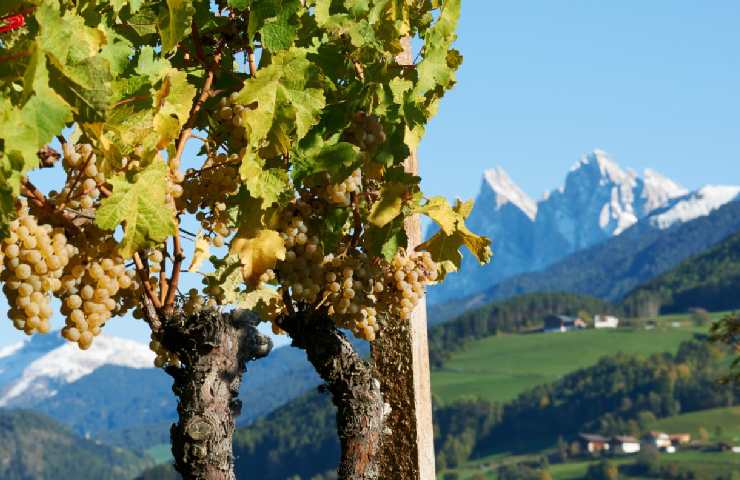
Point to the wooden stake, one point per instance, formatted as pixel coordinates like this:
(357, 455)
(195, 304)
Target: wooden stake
(401, 356)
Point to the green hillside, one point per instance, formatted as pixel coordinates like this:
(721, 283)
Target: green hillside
(501, 367)
(35, 447)
(709, 280)
(721, 424)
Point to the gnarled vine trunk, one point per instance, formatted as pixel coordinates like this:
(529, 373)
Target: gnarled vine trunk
(361, 410)
(214, 349)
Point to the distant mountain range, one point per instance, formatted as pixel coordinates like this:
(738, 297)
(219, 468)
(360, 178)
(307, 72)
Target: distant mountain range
(598, 201)
(612, 269)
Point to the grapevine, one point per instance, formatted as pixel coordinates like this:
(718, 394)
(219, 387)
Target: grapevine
(267, 141)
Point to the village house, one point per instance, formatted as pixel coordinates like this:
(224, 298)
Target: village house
(605, 321)
(624, 445)
(680, 438)
(562, 323)
(660, 440)
(593, 443)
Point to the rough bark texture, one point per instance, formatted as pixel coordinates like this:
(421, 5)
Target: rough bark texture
(356, 394)
(214, 349)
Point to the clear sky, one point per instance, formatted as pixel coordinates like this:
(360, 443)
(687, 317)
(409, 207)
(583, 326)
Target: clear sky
(654, 83)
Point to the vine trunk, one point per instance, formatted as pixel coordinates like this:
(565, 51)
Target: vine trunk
(213, 349)
(361, 410)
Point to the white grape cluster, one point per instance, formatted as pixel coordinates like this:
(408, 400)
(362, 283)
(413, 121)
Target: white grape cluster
(174, 185)
(34, 257)
(164, 358)
(341, 193)
(83, 177)
(194, 302)
(204, 191)
(232, 114)
(94, 292)
(351, 286)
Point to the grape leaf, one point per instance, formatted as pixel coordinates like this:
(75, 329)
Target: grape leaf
(268, 184)
(438, 64)
(281, 104)
(386, 241)
(172, 103)
(201, 252)
(258, 252)
(139, 203)
(174, 22)
(316, 155)
(390, 203)
(445, 245)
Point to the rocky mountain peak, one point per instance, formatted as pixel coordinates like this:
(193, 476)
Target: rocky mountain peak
(506, 191)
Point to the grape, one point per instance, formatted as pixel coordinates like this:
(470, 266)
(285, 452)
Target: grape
(33, 258)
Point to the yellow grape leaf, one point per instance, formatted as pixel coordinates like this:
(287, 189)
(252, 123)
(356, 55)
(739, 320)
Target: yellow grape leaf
(201, 252)
(389, 205)
(258, 253)
(445, 245)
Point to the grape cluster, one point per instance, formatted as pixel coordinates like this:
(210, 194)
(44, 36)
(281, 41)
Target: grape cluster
(351, 286)
(34, 257)
(83, 177)
(341, 194)
(366, 131)
(204, 191)
(164, 357)
(233, 115)
(94, 291)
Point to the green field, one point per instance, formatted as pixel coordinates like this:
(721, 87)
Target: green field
(499, 368)
(722, 424)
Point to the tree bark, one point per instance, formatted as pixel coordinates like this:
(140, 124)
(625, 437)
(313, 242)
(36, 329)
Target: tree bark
(355, 392)
(213, 349)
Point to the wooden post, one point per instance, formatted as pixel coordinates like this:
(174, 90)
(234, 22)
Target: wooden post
(401, 356)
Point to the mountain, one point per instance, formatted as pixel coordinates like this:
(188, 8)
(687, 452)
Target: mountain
(133, 402)
(709, 280)
(35, 447)
(34, 369)
(611, 269)
(599, 200)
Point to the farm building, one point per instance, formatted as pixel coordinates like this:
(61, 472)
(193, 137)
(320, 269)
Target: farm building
(658, 440)
(625, 445)
(593, 443)
(562, 323)
(605, 321)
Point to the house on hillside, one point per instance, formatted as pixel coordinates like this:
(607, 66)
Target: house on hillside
(593, 443)
(661, 441)
(562, 323)
(624, 445)
(680, 438)
(605, 321)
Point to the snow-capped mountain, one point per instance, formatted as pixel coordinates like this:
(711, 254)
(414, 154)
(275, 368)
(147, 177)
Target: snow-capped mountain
(36, 368)
(598, 200)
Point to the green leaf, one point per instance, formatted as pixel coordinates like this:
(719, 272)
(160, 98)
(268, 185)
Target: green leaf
(276, 21)
(390, 203)
(316, 155)
(268, 184)
(438, 64)
(174, 22)
(172, 103)
(281, 105)
(140, 205)
(387, 240)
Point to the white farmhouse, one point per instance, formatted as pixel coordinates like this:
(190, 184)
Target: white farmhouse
(624, 445)
(605, 321)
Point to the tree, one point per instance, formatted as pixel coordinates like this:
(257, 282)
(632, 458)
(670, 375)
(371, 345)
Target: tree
(603, 470)
(700, 317)
(727, 332)
(304, 120)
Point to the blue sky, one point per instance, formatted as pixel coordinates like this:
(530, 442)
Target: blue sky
(655, 83)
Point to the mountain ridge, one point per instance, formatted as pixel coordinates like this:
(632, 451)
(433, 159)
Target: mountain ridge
(598, 200)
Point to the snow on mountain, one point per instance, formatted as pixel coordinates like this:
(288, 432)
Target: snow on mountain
(509, 192)
(36, 368)
(598, 200)
(693, 205)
